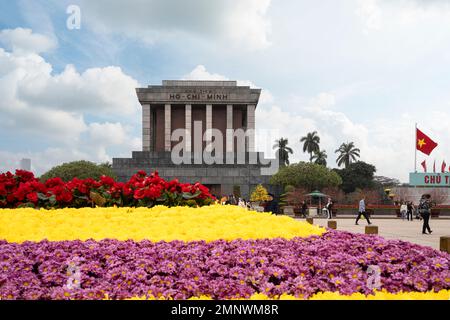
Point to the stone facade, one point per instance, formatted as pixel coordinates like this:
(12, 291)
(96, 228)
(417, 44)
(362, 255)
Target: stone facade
(220, 178)
(178, 104)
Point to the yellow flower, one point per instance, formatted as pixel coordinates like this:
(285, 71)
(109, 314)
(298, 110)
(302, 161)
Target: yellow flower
(377, 295)
(159, 223)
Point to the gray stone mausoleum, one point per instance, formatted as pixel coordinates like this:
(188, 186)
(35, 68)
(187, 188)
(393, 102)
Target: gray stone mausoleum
(196, 107)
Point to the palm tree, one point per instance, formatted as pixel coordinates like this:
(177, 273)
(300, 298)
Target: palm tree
(311, 144)
(347, 154)
(320, 157)
(283, 150)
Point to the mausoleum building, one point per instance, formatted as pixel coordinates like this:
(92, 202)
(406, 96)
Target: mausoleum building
(182, 120)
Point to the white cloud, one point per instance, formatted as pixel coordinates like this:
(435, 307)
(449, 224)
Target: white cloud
(95, 91)
(370, 12)
(389, 14)
(38, 104)
(200, 73)
(107, 133)
(388, 143)
(240, 23)
(24, 40)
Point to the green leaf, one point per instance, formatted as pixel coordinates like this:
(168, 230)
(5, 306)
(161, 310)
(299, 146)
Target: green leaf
(26, 205)
(52, 200)
(42, 196)
(187, 195)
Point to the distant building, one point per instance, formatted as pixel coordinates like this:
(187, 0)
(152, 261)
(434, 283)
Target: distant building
(25, 164)
(437, 185)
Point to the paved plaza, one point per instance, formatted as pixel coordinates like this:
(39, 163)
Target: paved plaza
(397, 229)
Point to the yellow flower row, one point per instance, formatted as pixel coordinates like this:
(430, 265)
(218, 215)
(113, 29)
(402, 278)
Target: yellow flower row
(377, 295)
(207, 223)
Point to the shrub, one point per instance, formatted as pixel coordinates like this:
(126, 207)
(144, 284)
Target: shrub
(79, 169)
(310, 176)
(259, 194)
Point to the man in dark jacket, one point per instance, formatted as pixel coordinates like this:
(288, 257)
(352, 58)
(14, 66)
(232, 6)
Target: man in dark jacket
(425, 212)
(303, 209)
(409, 212)
(272, 205)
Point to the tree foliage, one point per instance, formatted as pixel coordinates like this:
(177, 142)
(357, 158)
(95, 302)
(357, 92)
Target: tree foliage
(79, 169)
(310, 176)
(347, 154)
(320, 157)
(311, 144)
(358, 175)
(283, 151)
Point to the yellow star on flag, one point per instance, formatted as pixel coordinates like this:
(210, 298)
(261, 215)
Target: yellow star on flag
(421, 142)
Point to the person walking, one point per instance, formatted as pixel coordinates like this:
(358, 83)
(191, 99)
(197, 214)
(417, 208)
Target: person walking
(362, 211)
(303, 209)
(329, 207)
(409, 212)
(425, 212)
(403, 210)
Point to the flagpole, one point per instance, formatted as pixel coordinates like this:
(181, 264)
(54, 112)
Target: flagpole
(415, 151)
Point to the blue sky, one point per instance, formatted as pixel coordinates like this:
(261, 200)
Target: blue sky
(354, 70)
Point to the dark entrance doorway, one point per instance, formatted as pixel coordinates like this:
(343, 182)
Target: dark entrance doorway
(215, 189)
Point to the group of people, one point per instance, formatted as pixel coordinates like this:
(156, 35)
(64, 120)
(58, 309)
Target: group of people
(406, 209)
(328, 208)
(235, 201)
(271, 205)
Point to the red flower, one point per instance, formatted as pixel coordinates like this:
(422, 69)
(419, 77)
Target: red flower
(52, 182)
(139, 194)
(24, 176)
(65, 196)
(32, 197)
(10, 198)
(107, 180)
(2, 189)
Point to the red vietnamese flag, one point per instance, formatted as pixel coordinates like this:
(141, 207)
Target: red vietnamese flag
(444, 166)
(424, 143)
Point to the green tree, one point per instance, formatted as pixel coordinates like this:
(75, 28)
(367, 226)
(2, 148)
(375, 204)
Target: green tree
(320, 157)
(358, 175)
(347, 154)
(78, 169)
(283, 151)
(306, 175)
(311, 144)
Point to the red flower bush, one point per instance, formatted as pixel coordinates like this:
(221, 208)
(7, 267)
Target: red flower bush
(22, 189)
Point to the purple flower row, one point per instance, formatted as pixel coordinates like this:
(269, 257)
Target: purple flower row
(335, 261)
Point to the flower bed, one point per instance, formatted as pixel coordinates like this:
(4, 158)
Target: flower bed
(158, 223)
(300, 267)
(242, 254)
(24, 190)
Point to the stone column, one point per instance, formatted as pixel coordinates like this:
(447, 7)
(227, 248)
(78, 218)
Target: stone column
(251, 127)
(229, 131)
(208, 123)
(188, 127)
(146, 128)
(167, 127)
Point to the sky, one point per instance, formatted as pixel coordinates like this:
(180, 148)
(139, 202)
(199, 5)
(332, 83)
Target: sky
(353, 70)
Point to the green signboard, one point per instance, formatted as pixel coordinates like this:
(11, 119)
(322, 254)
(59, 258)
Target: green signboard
(429, 179)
